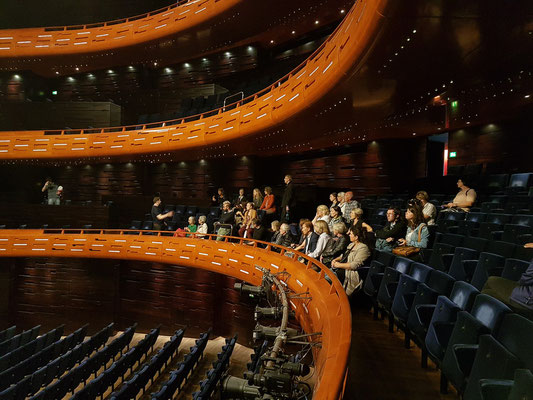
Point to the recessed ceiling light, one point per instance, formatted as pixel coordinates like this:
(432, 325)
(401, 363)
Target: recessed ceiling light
(342, 11)
(527, 96)
(316, 22)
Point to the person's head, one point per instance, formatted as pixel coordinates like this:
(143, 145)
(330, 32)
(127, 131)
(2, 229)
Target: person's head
(333, 197)
(157, 201)
(335, 211)
(192, 220)
(306, 227)
(249, 205)
(241, 192)
(275, 225)
(202, 219)
(348, 196)
(226, 206)
(339, 229)
(322, 210)
(393, 214)
(256, 193)
(268, 190)
(49, 179)
(414, 216)
(284, 228)
(220, 192)
(321, 227)
(415, 203)
(356, 214)
(357, 234)
(302, 222)
(422, 196)
(463, 184)
(340, 197)
(256, 222)
(287, 179)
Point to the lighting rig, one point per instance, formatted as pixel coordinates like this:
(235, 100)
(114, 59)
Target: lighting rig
(273, 374)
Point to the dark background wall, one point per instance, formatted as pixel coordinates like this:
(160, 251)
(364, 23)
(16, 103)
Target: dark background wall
(34, 13)
(54, 291)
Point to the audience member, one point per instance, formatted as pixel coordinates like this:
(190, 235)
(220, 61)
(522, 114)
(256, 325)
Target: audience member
(268, 201)
(463, 200)
(274, 228)
(288, 200)
(394, 229)
(335, 214)
(322, 230)
(428, 209)
(192, 225)
(308, 238)
(158, 217)
(51, 189)
(240, 197)
(417, 231)
(202, 226)
(333, 199)
(322, 214)
(227, 218)
(350, 204)
(341, 203)
(257, 198)
(247, 224)
(356, 219)
(337, 245)
(219, 198)
(259, 232)
(346, 265)
(284, 237)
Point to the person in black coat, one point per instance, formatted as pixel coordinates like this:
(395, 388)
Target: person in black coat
(337, 246)
(308, 239)
(287, 201)
(394, 229)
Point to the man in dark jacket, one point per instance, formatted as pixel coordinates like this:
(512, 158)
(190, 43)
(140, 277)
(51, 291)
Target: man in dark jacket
(393, 230)
(287, 201)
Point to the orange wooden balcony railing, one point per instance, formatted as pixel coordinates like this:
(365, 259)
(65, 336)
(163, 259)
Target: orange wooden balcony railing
(325, 309)
(103, 36)
(292, 94)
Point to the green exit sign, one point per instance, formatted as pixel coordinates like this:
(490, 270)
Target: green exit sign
(453, 154)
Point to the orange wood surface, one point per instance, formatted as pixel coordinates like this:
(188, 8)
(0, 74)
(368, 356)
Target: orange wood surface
(326, 310)
(310, 81)
(110, 35)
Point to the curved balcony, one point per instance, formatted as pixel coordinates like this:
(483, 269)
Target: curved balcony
(110, 35)
(284, 99)
(327, 311)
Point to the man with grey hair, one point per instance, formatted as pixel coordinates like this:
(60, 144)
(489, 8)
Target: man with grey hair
(284, 237)
(350, 204)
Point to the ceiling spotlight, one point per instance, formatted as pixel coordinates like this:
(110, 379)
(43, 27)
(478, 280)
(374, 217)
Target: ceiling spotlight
(77, 69)
(316, 22)
(293, 32)
(109, 71)
(57, 72)
(342, 11)
(271, 42)
(155, 64)
(526, 96)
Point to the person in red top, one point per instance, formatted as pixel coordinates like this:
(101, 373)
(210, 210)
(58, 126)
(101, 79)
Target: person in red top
(268, 201)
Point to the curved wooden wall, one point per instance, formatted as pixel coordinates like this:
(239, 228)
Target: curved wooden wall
(289, 96)
(327, 311)
(77, 39)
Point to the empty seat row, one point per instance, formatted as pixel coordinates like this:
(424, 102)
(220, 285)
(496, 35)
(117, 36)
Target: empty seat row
(19, 340)
(183, 371)
(8, 333)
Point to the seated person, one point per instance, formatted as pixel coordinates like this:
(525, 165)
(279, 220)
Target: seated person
(259, 231)
(322, 230)
(268, 201)
(257, 198)
(192, 225)
(322, 214)
(393, 230)
(333, 199)
(337, 245)
(356, 219)
(284, 237)
(349, 204)
(428, 209)
(202, 226)
(158, 217)
(240, 198)
(226, 219)
(463, 200)
(335, 214)
(354, 257)
(341, 203)
(249, 215)
(417, 231)
(274, 230)
(308, 238)
(517, 295)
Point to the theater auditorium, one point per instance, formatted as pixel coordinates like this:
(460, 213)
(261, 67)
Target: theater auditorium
(266, 200)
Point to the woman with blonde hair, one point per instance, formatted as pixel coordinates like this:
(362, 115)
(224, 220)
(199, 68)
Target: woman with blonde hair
(322, 230)
(356, 219)
(257, 198)
(322, 214)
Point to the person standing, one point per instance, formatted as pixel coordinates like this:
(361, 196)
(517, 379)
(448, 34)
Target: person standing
(52, 189)
(158, 217)
(287, 201)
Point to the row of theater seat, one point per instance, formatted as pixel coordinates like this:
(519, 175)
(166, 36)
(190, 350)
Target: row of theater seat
(148, 373)
(21, 339)
(183, 371)
(446, 316)
(208, 386)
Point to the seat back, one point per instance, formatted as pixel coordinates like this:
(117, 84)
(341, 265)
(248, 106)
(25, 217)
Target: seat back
(489, 311)
(457, 267)
(440, 282)
(502, 248)
(522, 219)
(515, 334)
(498, 219)
(514, 269)
(463, 295)
(419, 271)
(384, 257)
(489, 264)
(520, 181)
(475, 243)
(402, 264)
(522, 386)
(476, 217)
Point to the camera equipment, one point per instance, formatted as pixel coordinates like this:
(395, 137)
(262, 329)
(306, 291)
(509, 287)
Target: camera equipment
(258, 292)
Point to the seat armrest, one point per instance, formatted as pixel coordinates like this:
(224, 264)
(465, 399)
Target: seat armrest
(465, 355)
